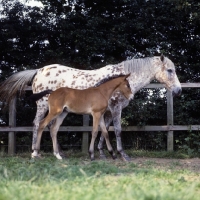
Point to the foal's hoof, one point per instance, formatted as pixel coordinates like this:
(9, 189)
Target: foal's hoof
(57, 155)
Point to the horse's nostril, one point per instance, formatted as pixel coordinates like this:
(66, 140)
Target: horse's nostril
(176, 92)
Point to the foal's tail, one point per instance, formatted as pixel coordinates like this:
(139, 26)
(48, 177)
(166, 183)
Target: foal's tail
(13, 84)
(37, 96)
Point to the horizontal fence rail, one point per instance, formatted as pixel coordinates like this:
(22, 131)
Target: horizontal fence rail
(169, 127)
(111, 128)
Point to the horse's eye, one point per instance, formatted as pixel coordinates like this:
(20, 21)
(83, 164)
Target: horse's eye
(170, 70)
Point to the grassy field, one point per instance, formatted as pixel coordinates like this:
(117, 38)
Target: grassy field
(78, 178)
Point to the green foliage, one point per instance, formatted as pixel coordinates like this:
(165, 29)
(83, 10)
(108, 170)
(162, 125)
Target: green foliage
(189, 143)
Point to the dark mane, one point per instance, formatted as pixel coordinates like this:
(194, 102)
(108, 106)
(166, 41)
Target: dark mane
(107, 79)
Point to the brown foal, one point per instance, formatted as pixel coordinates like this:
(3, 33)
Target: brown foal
(92, 101)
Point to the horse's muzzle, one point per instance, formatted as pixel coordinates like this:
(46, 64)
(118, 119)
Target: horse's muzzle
(176, 92)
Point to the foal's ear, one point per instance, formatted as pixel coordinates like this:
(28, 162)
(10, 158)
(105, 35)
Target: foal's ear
(126, 76)
(162, 57)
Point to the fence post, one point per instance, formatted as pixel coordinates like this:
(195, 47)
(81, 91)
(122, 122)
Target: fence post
(85, 136)
(12, 122)
(170, 121)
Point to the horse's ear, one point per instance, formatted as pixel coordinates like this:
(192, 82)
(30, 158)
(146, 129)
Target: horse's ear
(162, 57)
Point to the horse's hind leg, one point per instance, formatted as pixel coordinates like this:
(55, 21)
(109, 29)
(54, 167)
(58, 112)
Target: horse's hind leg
(41, 111)
(54, 130)
(108, 120)
(106, 136)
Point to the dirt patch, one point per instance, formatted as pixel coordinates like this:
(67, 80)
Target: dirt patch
(192, 164)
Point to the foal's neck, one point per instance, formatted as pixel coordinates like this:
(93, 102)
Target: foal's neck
(109, 87)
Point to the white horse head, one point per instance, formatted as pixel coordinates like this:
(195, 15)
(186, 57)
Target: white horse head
(144, 70)
(166, 74)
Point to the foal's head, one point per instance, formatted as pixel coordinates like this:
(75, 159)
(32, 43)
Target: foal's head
(125, 88)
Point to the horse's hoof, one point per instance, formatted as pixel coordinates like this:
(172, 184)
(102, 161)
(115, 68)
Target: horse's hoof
(102, 156)
(38, 156)
(126, 158)
(114, 156)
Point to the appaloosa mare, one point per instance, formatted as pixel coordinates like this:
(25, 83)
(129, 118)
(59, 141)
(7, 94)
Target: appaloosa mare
(143, 70)
(92, 101)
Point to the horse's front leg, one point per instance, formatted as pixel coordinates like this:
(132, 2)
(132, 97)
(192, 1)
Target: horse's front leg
(106, 136)
(108, 120)
(116, 114)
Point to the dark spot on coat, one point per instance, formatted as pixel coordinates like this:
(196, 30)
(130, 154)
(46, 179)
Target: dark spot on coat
(47, 74)
(39, 86)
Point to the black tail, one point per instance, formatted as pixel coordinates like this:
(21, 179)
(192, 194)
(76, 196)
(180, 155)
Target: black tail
(37, 96)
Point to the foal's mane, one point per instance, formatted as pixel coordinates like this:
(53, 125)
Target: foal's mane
(107, 79)
(138, 66)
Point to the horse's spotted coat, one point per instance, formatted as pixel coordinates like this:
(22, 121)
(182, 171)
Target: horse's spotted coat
(77, 79)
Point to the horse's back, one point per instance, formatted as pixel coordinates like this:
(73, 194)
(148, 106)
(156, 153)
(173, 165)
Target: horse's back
(55, 76)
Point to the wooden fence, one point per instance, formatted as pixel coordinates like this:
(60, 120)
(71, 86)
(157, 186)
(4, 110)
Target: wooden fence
(169, 127)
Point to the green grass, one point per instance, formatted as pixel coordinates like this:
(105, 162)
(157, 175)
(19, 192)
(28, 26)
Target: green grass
(79, 178)
(161, 154)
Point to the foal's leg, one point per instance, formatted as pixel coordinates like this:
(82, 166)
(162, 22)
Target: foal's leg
(106, 136)
(107, 120)
(54, 130)
(49, 127)
(96, 118)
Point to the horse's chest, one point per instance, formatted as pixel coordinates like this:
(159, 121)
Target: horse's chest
(118, 101)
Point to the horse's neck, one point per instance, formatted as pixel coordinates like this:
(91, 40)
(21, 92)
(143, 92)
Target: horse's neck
(138, 83)
(109, 87)
(141, 74)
